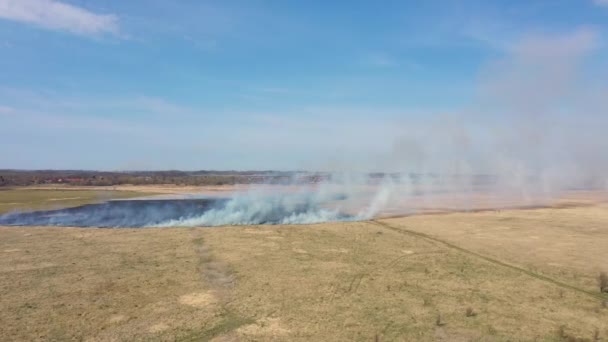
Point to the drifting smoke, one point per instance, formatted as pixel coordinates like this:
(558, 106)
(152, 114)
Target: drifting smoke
(324, 202)
(250, 209)
(128, 213)
(537, 126)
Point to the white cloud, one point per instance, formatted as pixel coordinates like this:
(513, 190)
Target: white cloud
(55, 15)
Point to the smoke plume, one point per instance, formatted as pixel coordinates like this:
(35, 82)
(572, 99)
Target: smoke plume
(535, 130)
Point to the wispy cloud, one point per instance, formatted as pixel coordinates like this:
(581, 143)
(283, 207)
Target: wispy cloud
(4, 110)
(380, 60)
(55, 15)
(601, 2)
(274, 90)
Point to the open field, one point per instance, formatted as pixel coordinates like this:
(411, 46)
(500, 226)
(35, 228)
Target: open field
(22, 199)
(489, 276)
(567, 244)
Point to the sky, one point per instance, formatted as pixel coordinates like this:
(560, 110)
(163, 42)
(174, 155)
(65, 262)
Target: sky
(302, 85)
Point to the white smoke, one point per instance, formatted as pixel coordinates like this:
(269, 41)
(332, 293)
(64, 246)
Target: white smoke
(254, 208)
(344, 197)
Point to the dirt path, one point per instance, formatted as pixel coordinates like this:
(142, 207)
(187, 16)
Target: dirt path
(597, 295)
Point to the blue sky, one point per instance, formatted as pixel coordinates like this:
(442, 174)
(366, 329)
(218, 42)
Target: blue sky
(102, 84)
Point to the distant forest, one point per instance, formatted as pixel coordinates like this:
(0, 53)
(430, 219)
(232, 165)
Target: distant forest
(193, 178)
(102, 178)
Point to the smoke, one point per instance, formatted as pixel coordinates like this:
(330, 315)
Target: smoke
(301, 204)
(537, 124)
(340, 198)
(535, 130)
(254, 208)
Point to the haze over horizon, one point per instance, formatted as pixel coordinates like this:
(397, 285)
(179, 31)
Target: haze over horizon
(434, 86)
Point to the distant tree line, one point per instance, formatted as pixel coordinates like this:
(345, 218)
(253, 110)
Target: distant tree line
(198, 178)
(102, 178)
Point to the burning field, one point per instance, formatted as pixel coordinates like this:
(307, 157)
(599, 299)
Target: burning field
(450, 269)
(343, 198)
(303, 171)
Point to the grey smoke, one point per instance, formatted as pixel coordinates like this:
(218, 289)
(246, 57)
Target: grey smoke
(537, 124)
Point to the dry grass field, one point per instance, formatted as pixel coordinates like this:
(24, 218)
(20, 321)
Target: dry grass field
(509, 275)
(30, 198)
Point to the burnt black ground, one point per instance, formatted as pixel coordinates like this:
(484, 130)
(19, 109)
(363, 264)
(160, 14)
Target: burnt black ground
(122, 213)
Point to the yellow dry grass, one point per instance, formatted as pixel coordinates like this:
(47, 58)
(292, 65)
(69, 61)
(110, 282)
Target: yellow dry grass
(568, 243)
(488, 276)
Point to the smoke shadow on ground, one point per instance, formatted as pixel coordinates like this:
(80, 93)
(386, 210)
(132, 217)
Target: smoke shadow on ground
(123, 213)
(180, 213)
